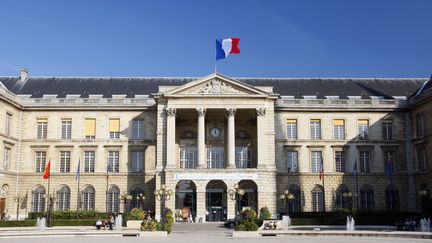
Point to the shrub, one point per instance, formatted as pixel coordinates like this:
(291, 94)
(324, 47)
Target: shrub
(240, 227)
(247, 226)
(248, 215)
(265, 213)
(149, 225)
(259, 222)
(166, 223)
(136, 214)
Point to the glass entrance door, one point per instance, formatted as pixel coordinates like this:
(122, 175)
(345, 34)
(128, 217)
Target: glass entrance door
(216, 205)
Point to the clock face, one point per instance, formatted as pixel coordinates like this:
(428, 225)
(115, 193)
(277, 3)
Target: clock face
(215, 132)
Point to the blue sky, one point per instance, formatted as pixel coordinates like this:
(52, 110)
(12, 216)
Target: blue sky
(279, 38)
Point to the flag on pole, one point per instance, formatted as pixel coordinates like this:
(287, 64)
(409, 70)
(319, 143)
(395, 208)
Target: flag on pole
(224, 47)
(321, 174)
(108, 169)
(77, 175)
(354, 173)
(46, 174)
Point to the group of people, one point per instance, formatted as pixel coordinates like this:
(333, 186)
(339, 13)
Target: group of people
(106, 224)
(407, 225)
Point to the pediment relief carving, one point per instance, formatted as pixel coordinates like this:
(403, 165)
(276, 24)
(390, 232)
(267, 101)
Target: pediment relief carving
(215, 87)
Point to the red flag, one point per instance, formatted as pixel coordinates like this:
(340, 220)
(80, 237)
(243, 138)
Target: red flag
(46, 174)
(321, 175)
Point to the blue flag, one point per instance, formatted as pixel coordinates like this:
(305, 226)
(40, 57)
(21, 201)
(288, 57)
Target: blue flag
(389, 168)
(354, 173)
(77, 175)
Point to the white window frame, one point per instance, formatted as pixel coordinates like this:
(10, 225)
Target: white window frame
(339, 131)
(137, 163)
(315, 129)
(215, 157)
(88, 197)
(292, 161)
(114, 161)
(363, 129)
(387, 127)
(89, 161)
(65, 159)
(292, 129)
(340, 161)
(40, 161)
(63, 198)
(6, 159)
(138, 129)
(316, 157)
(365, 158)
(66, 129)
(42, 130)
(188, 157)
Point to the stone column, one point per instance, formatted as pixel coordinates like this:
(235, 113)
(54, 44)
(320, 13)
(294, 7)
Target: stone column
(231, 138)
(261, 163)
(200, 205)
(171, 136)
(201, 138)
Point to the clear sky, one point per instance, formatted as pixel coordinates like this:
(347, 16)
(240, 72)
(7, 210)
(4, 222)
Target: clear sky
(279, 38)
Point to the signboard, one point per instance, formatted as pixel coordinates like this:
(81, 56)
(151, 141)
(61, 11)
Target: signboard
(214, 176)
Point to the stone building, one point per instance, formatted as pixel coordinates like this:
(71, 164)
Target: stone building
(198, 137)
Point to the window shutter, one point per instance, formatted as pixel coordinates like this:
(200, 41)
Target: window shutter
(90, 127)
(114, 125)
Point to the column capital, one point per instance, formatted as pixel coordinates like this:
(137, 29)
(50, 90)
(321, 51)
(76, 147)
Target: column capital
(201, 111)
(170, 111)
(231, 111)
(261, 111)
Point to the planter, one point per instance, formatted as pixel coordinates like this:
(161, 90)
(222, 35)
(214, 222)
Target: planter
(134, 224)
(153, 234)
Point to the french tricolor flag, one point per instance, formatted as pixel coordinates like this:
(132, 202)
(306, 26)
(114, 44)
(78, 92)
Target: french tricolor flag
(224, 47)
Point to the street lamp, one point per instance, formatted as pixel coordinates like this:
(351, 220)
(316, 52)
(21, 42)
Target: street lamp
(288, 197)
(163, 195)
(348, 199)
(236, 194)
(139, 199)
(18, 199)
(51, 200)
(123, 199)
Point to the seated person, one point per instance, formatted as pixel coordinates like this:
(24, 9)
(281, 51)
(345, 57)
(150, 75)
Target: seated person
(98, 224)
(109, 222)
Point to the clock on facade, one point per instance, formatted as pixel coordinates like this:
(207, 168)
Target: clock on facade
(215, 132)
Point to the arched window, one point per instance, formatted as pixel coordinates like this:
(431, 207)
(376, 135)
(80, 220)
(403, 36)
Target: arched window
(63, 198)
(343, 198)
(88, 198)
(392, 198)
(318, 199)
(367, 198)
(296, 202)
(38, 200)
(113, 199)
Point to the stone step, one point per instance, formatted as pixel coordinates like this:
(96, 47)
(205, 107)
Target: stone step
(198, 227)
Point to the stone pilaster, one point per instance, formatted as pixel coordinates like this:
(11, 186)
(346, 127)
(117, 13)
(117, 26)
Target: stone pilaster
(260, 137)
(171, 127)
(231, 138)
(201, 138)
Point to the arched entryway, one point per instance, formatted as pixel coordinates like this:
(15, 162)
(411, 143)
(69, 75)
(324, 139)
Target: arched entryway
(185, 197)
(216, 201)
(250, 198)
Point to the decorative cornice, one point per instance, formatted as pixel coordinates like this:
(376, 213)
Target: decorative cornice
(216, 87)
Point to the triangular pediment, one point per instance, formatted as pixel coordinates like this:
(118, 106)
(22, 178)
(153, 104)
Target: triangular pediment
(216, 84)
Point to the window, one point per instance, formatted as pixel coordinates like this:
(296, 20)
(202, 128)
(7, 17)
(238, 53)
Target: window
(339, 129)
(296, 203)
(66, 129)
(367, 198)
(138, 129)
(65, 161)
(342, 199)
(113, 161)
(392, 198)
(6, 161)
(215, 157)
(63, 198)
(316, 161)
(42, 128)
(40, 157)
(188, 157)
(8, 123)
(389, 163)
(114, 128)
(315, 129)
(137, 198)
(137, 161)
(365, 161)
(363, 128)
(387, 127)
(88, 198)
(340, 158)
(38, 201)
(243, 157)
(292, 129)
(420, 125)
(113, 199)
(292, 161)
(421, 158)
(317, 199)
(90, 128)
(89, 161)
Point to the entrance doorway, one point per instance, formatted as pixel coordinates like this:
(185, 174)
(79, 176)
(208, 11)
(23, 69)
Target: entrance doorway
(2, 205)
(186, 199)
(216, 201)
(250, 198)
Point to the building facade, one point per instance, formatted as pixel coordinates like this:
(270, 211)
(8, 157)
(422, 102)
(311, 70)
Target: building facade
(198, 137)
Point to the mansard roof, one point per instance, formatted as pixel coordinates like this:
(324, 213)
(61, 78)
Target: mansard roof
(131, 86)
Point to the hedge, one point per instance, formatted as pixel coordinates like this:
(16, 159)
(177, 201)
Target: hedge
(32, 223)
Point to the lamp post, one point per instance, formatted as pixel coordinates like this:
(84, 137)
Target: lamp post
(236, 194)
(18, 199)
(163, 195)
(288, 197)
(348, 198)
(51, 200)
(140, 198)
(123, 199)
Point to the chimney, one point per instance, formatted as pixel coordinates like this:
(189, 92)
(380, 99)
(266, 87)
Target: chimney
(24, 74)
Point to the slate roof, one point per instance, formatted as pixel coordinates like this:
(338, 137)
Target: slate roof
(130, 86)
